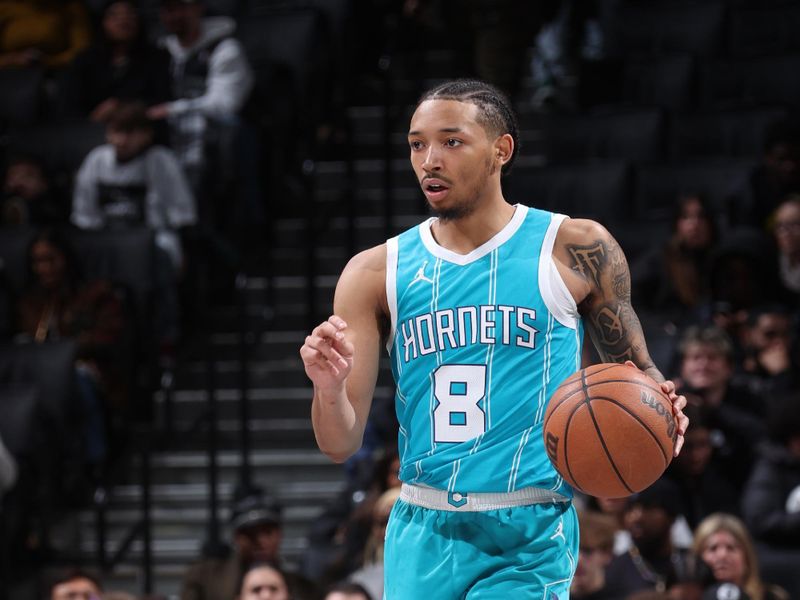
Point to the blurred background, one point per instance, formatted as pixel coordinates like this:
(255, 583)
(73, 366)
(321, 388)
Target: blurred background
(183, 181)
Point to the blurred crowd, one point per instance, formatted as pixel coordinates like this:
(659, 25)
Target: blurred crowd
(118, 121)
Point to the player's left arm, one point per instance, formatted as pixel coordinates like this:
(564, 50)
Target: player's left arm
(595, 269)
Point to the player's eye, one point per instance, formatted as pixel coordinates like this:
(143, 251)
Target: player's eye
(452, 142)
(415, 144)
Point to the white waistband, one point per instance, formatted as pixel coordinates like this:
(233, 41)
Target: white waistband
(478, 501)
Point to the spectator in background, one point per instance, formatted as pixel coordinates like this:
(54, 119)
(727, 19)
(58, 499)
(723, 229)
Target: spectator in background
(614, 508)
(723, 543)
(703, 487)
(42, 32)
(264, 581)
(786, 231)
(74, 584)
(257, 526)
(734, 415)
(347, 591)
(771, 499)
(673, 279)
(29, 195)
(211, 82)
(777, 177)
(130, 182)
(595, 553)
(653, 562)
(59, 303)
(120, 65)
(770, 338)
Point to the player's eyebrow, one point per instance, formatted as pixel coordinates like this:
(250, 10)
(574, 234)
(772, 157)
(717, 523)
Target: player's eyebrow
(442, 130)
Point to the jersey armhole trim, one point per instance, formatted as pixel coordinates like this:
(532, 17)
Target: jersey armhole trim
(555, 293)
(391, 288)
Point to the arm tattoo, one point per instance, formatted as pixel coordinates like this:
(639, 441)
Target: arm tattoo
(613, 325)
(588, 260)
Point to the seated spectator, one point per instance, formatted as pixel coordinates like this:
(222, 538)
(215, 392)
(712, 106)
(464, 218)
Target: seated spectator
(769, 365)
(42, 32)
(723, 543)
(211, 82)
(775, 178)
(703, 487)
(257, 526)
(264, 580)
(673, 279)
(786, 231)
(347, 591)
(30, 196)
(771, 498)
(75, 584)
(59, 303)
(595, 553)
(652, 562)
(131, 182)
(733, 413)
(614, 508)
(120, 65)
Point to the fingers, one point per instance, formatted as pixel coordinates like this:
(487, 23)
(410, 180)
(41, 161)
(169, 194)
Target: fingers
(668, 387)
(326, 346)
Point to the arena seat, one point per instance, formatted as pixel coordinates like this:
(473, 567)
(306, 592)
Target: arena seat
(13, 252)
(665, 81)
(49, 367)
(597, 190)
(62, 145)
(752, 81)
(21, 100)
(19, 404)
(721, 133)
(635, 135)
(656, 186)
(667, 26)
(760, 30)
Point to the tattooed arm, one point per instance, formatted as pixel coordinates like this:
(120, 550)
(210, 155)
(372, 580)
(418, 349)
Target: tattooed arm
(596, 272)
(594, 267)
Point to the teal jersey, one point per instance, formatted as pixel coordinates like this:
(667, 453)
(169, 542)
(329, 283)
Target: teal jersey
(478, 344)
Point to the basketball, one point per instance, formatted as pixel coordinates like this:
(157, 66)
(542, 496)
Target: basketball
(609, 430)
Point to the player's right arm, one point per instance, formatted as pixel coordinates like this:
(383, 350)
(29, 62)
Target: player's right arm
(341, 355)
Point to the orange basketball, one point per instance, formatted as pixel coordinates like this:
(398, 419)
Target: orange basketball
(609, 430)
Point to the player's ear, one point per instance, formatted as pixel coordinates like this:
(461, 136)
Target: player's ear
(504, 148)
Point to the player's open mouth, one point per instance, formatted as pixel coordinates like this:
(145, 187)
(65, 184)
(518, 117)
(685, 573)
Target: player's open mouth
(434, 190)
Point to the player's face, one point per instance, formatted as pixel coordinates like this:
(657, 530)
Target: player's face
(264, 583)
(724, 555)
(453, 156)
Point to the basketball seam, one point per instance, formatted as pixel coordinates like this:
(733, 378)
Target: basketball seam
(641, 422)
(605, 447)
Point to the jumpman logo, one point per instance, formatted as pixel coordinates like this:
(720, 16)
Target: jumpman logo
(420, 276)
(559, 532)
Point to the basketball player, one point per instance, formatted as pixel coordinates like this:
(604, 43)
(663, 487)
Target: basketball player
(482, 310)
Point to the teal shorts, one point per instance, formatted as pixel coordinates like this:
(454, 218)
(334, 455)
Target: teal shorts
(515, 552)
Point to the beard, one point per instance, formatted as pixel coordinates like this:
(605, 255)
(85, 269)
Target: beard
(468, 206)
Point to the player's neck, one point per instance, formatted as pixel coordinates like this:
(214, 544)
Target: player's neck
(466, 233)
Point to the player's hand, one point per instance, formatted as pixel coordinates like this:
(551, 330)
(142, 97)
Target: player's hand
(327, 355)
(678, 402)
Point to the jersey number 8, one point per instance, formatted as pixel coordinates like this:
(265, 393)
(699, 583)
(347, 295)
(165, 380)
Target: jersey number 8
(458, 389)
